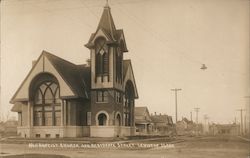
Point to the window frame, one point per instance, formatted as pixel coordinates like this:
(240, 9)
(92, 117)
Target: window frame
(43, 107)
(102, 96)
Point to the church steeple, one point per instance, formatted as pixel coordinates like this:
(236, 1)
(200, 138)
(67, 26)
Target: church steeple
(106, 22)
(107, 45)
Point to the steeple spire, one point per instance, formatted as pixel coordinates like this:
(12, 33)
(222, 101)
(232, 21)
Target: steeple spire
(107, 4)
(106, 22)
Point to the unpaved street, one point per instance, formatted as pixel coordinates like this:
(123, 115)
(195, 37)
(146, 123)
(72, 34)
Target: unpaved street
(205, 147)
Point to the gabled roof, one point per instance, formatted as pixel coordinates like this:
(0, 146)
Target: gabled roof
(140, 110)
(186, 120)
(128, 71)
(77, 77)
(161, 119)
(74, 75)
(142, 115)
(71, 73)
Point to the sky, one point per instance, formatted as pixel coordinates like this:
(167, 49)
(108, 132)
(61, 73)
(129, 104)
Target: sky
(168, 41)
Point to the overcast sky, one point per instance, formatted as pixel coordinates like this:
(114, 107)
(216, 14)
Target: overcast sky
(168, 41)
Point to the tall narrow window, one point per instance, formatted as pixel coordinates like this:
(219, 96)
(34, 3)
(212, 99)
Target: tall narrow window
(119, 58)
(102, 57)
(105, 63)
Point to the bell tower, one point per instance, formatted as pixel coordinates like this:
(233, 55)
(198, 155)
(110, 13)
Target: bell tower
(107, 45)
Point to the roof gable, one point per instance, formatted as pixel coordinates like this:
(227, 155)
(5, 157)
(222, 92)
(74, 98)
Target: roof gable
(128, 74)
(70, 82)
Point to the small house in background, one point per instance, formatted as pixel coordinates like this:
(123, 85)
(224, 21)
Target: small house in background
(185, 127)
(163, 124)
(224, 129)
(143, 121)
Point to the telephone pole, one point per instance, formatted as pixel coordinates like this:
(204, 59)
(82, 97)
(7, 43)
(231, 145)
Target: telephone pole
(206, 125)
(191, 116)
(241, 120)
(176, 90)
(197, 111)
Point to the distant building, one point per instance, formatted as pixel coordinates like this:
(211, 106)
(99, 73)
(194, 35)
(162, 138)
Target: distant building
(8, 128)
(224, 129)
(185, 127)
(162, 124)
(62, 99)
(143, 122)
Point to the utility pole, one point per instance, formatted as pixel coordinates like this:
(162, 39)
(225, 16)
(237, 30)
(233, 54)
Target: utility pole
(197, 111)
(241, 120)
(191, 117)
(247, 115)
(206, 125)
(176, 90)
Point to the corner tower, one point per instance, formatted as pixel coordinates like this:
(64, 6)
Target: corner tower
(107, 46)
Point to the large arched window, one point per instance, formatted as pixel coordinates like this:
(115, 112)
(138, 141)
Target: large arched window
(102, 57)
(47, 109)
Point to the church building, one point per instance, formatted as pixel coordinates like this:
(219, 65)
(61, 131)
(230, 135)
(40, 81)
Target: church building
(60, 99)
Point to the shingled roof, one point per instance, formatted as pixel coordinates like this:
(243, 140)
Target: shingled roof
(107, 25)
(161, 119)
(140, 110)
(76, 76)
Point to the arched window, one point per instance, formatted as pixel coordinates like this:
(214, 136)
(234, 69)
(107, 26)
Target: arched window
(102, 57)
(118, 120)
(47, 109)
(102, 119)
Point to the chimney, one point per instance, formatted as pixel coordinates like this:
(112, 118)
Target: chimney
(88, 61)
(155, 113)
(33, 62)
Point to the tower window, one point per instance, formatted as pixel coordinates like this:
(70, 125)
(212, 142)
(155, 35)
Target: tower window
(102, 96)
(102, 57)
(119, 96)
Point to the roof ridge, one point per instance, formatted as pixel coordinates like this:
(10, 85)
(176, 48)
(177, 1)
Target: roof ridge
(53, 55)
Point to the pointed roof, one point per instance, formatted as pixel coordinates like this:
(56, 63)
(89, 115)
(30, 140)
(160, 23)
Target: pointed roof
(106, 22)
(107, 27)
(140, 110)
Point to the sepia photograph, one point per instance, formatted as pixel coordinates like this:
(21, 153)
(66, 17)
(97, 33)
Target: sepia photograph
(124, 78)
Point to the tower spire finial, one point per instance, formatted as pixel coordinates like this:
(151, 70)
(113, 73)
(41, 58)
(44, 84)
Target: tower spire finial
(107, 3)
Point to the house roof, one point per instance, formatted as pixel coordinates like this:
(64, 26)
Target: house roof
(142, 115)
(187, 121)
(76, 76)
(140, 110)
(161, 119)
